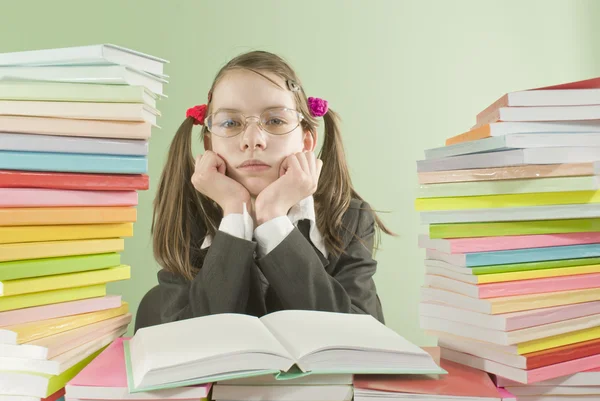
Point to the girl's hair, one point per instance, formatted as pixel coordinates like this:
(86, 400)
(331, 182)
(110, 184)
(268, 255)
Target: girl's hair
(179, 207)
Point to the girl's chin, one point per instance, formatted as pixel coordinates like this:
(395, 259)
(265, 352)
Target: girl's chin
(256, 185)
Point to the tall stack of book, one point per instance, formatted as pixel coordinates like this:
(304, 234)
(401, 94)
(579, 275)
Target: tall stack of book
(512, 283)
(74, 130)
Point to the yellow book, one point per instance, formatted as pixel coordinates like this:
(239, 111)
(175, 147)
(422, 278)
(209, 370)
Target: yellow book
(51, 297)
(59, 281)
(39, 216)
(559, 340)
(52, 249)
(15, 234)
(27, 332)
(532, 274)
(57, 382)
(507, 200)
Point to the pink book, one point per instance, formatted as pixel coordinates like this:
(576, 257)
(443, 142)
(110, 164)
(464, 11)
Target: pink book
(539, 285)
(105, 378)
(20, 316)
(460, 381)
(32, 197)
(488, 244)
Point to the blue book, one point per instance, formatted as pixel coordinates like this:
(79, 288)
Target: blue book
(476, 259)
(73, 162)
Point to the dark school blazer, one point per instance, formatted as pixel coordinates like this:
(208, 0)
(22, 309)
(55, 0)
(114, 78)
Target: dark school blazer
(294, 275)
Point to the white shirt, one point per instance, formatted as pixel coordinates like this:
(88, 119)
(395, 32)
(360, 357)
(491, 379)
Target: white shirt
(270, 234)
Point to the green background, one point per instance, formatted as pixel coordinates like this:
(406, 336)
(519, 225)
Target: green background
(404, 75)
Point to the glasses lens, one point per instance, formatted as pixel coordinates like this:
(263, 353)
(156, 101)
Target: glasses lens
(280, 121)
(225, 123)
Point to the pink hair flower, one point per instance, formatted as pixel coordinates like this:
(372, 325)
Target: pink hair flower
(198, 113)
(317, 106)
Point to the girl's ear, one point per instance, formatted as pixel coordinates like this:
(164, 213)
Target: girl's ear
(310, 140)
(206, 140)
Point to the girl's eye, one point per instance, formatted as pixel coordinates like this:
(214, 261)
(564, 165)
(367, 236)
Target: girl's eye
(275, 121)
(229, 124)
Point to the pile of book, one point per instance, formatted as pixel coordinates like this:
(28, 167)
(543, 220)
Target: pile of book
(512, 269)
(74, 130)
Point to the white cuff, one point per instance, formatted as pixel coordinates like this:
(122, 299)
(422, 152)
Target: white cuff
(238, 225)
(270, 234)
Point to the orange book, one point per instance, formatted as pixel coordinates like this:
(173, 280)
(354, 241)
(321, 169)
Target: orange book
(41, 216)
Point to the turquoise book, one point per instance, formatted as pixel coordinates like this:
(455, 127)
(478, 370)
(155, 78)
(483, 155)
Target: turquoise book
(73, 162)
(286, 344)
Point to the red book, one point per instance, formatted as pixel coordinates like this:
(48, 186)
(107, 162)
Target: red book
(76, 181)
(562, 354)
(460, 381)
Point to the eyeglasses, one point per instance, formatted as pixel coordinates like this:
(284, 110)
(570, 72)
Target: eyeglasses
(276, 121)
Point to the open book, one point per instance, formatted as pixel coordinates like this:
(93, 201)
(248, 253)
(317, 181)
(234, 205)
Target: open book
(286, 343)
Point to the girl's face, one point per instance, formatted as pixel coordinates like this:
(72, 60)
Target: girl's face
(253, 157)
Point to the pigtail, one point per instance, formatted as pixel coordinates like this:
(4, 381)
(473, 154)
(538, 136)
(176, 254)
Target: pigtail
(177, 207)
(335, 189)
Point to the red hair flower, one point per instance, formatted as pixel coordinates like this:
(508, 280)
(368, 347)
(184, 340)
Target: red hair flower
(198, 113)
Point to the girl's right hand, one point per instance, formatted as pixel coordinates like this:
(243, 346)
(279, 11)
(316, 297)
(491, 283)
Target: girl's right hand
(209, 179)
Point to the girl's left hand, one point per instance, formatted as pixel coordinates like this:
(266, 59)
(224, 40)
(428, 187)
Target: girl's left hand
(298, 178)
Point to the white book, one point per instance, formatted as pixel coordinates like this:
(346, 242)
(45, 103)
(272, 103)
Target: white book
(505, 338)
(66, 144)
(176, 354)
(60, 363)
(589, 392)
(509, 321)
(519, 186)
(590, 210)
(84, 55)
(49, 347)
(552, 97)
(81, 111)
(518, 157)
(480, 349)
(271, 380)
(515, 303)
(548, 113)
(529, 377)
(282, 393)
(554, 127)
(514, 141)
(85, 74)
(586, 378)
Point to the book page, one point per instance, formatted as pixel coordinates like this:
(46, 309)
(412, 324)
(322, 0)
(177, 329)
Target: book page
(191, 340)
(305, 332)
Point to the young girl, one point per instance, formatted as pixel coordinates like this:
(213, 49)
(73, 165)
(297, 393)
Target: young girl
(257, 223)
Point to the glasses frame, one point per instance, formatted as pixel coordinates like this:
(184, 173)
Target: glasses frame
(258, 119)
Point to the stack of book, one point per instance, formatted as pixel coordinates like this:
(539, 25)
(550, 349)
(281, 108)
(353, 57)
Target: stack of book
(512, 283)
(74, 130)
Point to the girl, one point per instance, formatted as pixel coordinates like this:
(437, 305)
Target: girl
(257, 223)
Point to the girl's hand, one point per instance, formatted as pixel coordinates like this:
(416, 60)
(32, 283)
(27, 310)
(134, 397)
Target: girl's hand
(209, 179)
(298, 178)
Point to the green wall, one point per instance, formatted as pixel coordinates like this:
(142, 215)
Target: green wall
(404, 75)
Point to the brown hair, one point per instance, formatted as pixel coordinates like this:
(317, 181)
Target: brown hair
(179, 207)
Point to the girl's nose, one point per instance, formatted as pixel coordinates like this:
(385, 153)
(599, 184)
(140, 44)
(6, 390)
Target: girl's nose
(253, 137)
